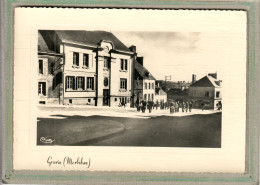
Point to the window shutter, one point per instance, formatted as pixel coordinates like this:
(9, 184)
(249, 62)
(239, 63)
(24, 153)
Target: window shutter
(74, 84)
(44, 88)
(83, 83)
(122, 64)
(126, 65)
(126, 84)
(90, 60)
(66, 83)
(45, 67)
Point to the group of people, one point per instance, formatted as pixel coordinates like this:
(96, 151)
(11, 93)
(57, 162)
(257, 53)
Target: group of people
(174, 106)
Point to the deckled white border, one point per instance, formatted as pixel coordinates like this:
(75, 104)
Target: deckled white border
(229, 158)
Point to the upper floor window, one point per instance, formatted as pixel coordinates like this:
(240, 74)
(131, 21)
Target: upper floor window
(124, 64)
(145, 85)
(149, 85)
(206, 93)
(217, 94)
(123, 83)
(41, 66)
(75, 59)
(152, 85)
(106, 64)
(105, 81)
(70, 82)
(90, 83)
(85, 60)
(80, 83)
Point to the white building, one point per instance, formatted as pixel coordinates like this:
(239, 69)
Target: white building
(88, 68)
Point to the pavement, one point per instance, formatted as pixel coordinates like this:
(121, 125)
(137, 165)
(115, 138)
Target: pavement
(105, 126)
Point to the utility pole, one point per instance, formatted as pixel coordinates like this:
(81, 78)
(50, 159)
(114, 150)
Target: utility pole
(167, 78)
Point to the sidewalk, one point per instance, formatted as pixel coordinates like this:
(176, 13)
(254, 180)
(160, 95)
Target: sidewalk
(60, 112)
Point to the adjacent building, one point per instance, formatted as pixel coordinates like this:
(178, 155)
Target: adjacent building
(206, 91)
(84, 68)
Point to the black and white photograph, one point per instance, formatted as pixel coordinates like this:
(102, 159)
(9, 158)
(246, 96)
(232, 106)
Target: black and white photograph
(151, 89)
(130, 90)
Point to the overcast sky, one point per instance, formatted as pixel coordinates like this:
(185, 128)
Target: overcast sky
(181, 54)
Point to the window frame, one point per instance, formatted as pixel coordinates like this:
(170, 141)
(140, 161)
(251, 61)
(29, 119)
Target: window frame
(86, 60)
(83, 82)
(68, 83)
(42, 86)
(90, 83)
(75, 59)
(40, 66)
(123, 83)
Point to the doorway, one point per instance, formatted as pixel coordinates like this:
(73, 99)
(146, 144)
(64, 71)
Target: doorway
(105, 97)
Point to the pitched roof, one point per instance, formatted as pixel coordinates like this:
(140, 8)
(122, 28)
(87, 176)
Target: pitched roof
(206, 81)
(91, 38)
(143, 72)
(161, 92)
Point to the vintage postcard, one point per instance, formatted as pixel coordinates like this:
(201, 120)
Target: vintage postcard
(130, 90)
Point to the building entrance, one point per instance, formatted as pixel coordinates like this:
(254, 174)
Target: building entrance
(106, 97)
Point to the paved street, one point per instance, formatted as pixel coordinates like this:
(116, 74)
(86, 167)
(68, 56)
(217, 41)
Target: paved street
(85, 126)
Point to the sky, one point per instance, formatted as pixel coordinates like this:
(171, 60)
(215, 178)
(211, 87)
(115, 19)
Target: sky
(181, 54)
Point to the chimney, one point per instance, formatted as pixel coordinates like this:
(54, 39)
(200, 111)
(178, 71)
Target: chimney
(214, 75)
(193, 78)
(133, 48)
(140, 60)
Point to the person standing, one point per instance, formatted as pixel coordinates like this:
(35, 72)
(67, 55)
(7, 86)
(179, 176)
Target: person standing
(202, 106)
(183, 106)
(150, 105)
(190, 106)
(187, 106)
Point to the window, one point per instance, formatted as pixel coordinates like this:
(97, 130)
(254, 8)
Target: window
(89, 100)
(85, 60)
(126, 65)
(123, 83)
(145, 86)
(217, 94)
(123, 65)
(70, 82)
(90, 83)
(105, 81)
(75, 59)
(149, 96)
(51, 68)
(206, 93)
(41, 66)
(149, 85)
(152, 97)
(145, 96)
(80, 83)
(152, 85)
(106, 65)
(42, 88)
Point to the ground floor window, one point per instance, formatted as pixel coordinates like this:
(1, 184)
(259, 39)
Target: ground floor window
(80, 83)
(90, 83)
(42, 88)
(70, 82)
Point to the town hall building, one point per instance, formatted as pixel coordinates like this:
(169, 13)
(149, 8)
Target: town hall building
(84, 68)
